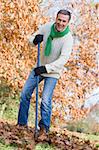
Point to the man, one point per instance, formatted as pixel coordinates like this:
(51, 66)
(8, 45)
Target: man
(57, 46)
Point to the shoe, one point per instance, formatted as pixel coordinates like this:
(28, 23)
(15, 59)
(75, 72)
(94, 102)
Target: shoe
(19, 126)
(42, 135)
(24, 127)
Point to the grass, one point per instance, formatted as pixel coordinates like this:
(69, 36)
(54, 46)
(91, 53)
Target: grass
(4, 146)
(97, 145)
(44, 147)
(9, 104)
(84, 126)
(91, 137)
(7, 147)
(11, 108)
(38, 147)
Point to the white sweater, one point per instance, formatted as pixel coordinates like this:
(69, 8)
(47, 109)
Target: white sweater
(60, 53)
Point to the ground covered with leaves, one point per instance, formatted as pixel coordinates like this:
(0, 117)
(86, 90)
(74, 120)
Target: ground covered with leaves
(22, 138)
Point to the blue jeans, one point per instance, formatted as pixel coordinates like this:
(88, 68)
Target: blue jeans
(46, 103)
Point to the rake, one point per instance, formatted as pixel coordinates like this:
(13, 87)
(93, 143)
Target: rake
(37, 82)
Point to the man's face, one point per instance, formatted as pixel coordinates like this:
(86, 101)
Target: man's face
(61, 22)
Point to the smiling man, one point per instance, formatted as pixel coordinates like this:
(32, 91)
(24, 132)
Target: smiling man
(62, 20)
(57, 46)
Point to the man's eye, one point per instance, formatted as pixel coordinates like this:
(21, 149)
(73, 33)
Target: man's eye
(62, 20)
(59, 19)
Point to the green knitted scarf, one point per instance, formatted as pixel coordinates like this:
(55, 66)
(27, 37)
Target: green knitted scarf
(53, 34)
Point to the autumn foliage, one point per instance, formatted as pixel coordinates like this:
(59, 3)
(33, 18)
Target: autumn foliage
(20, 18)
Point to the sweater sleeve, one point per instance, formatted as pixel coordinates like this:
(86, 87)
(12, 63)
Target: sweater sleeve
(32, 36)
(57, 65)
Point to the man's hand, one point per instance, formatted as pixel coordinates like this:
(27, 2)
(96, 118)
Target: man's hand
(38, 39)
(40, 70)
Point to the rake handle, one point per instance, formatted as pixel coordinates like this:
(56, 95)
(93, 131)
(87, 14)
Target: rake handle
(37, 82)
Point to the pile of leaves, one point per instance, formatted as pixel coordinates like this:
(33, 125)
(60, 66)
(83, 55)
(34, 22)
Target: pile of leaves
(18, 19)
(22, 138)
